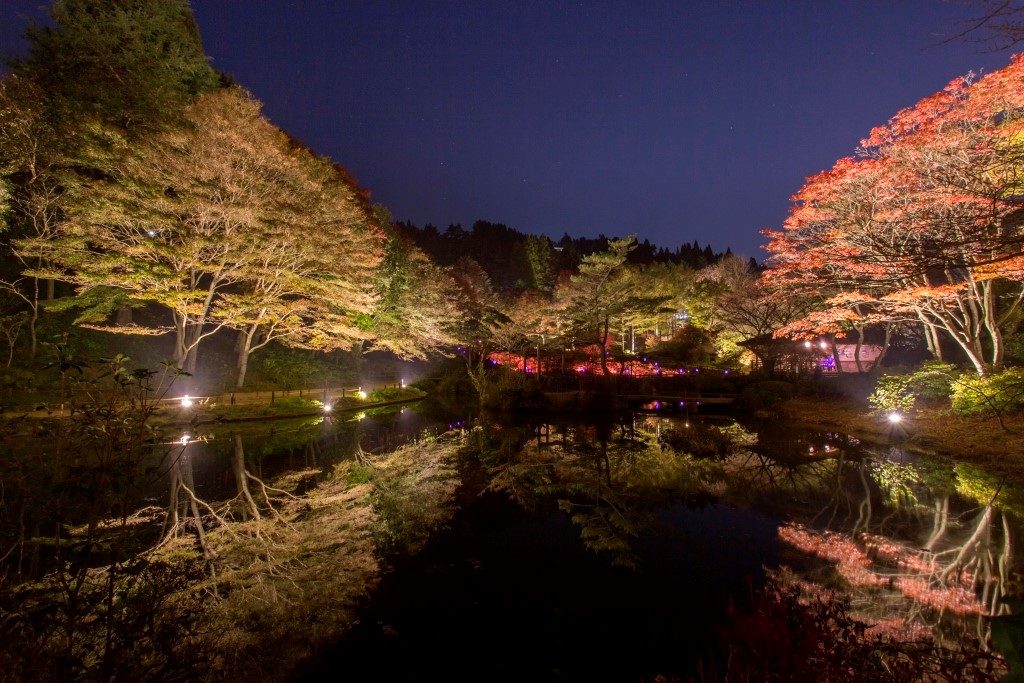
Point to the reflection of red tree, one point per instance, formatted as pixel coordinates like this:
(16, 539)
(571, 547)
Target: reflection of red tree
(854, 564)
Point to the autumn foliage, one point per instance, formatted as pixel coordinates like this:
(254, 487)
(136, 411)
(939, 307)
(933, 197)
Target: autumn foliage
(922, 225)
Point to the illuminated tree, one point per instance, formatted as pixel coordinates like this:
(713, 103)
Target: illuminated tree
(223, 222)
(606, 297)
(419, 307)
(540, 256)
(923, 225)
(33, 160)
(742, 305)
(130, 64)
(312, 279)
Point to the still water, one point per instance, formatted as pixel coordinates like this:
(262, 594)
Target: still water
(615, 551)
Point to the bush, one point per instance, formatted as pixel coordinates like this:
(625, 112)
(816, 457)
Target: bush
(893, 392)
(993, 395)
(933, 383)
(930, 384)
(395, 394)
(766, 395)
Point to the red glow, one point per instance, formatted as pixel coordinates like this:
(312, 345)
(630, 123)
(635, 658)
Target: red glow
(854, 565)
(553, 365)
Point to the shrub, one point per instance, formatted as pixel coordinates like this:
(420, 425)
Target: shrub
(931, 383)
(893, 392)
(395, 394)
(993, 395)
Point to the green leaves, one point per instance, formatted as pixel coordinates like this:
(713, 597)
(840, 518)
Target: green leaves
(134, 63)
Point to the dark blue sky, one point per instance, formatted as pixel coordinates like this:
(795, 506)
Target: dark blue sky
(675, 120)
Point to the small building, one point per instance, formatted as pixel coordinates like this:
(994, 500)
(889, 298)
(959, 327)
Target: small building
(847, 358)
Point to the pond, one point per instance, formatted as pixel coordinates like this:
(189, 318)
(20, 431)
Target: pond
(621, 549)
(617, 551)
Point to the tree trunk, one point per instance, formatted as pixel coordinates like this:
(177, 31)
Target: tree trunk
(33, 318)
(856, 351)
(357, 356)
(885, 347)
(192, 355)
(835, 354)
(931, 342)
(180, 340)
(604, 348)
(992, 325)
(245, 338)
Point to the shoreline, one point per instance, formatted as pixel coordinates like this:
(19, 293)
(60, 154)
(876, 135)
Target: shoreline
(931, 431)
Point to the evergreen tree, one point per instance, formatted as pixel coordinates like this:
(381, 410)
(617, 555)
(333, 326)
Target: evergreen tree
(129, 62)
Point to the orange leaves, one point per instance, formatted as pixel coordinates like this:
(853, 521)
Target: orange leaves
(1010, 267)
(912, 223)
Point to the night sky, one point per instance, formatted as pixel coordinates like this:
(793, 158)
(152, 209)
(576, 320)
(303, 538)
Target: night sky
(679, 121)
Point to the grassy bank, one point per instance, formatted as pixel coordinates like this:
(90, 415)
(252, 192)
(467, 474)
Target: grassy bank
(284, 407)
(999, 448)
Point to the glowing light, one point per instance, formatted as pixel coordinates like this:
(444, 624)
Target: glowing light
(361, 416)
(895, 418)
(186, 402)
(807, 344)
(151, 233)
(823, 345)
(328, 407)
(185, 438)
(361, 394)
(403, 384)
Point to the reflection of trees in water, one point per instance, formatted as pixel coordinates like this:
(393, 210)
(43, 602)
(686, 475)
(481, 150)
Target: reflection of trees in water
(888, 526)
(918, 561)
(756, 477)
(610, 478)
(253, 498)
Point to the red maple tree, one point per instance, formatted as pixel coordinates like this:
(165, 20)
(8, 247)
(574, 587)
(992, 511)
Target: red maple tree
(922, 224)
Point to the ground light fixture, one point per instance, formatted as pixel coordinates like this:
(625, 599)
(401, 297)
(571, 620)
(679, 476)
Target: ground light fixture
(185, 438)
(361, 394)
(895, 418)
(186, 402)
(328, 407)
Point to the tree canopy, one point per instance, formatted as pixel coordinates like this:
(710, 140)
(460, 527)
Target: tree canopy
(923, 224)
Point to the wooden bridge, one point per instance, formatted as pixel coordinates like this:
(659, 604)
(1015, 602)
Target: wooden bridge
(683, 400)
